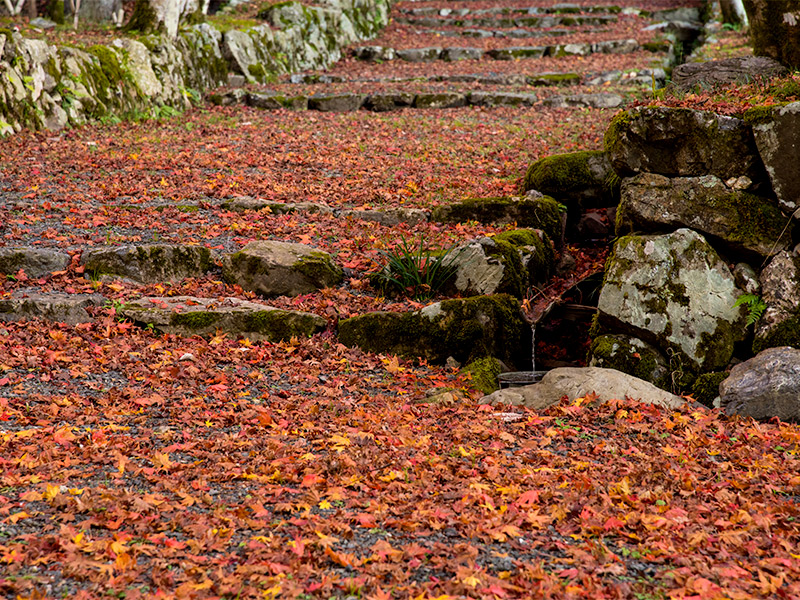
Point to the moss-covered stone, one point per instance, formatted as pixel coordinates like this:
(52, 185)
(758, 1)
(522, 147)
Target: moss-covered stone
(578, 179)
(55, 10)
(484, 373)
(785, 333)
(705, 388)
(466, 329)
(197, 319)
(540, 213)
(537, 254)
(631, 356)
(278, 325)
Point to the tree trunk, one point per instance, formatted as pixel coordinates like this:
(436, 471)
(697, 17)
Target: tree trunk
(775, 29)
(155, 15)
(733, 12)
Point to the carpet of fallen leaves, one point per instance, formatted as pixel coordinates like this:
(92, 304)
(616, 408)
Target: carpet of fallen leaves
(220, 468)
(139, 465)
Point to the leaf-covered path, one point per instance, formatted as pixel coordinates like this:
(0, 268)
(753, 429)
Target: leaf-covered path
(135, 465)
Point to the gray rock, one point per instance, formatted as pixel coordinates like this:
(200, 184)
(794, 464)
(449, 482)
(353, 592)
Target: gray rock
(632, 356)
(514, 52)
(391, 216)
(742, 70)
(578, 179)
(453, 54)
(502, 99)
(187, 316)
(23, 305)
(574, 382)
(275, 268)
(336, 102)
(265, 101)
(440, 100)
(674, 292)
(42, 23)
(765, 386)
(598, 100)
(148, 263)
(780, 290)
(466, 329)
(682, 142)
(592, 226)
(374, 53)
(243, 203)
(35, 262)
(745, 223)
(419, 54)
(778, 141)
(616, 46)
(385, 101)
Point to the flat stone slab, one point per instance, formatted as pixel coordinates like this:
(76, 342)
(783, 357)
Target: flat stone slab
(24, 305)
(390, 216)
(148, 263)
(188, 316)
(34, 262)
(243, 203)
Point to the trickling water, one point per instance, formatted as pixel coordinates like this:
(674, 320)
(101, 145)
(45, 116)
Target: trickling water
(533, 347)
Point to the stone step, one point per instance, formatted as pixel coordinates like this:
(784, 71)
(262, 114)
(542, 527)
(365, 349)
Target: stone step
(563, 8)
(395, 100)
(451, 54)
(540, 79)
(501, 22)
(499, 33)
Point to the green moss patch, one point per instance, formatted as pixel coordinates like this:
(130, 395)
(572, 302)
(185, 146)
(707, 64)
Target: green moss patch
(485, 373)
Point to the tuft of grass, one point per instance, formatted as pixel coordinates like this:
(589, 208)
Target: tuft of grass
(416, 271)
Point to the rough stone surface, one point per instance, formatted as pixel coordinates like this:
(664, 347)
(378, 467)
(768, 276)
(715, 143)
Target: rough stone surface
(514, 52)
(674, 292)
(598, 100)
(336, 102)
(578, 382)
(148, 263)
(440, 100)
(743, 69)
(35, 262)
(466, 329)
(742, 221)
(682, 142)
(23, 305)
(419, 54)
(578, 179)
(390, 216)
(242, 203)
(187, 316)
(632, 356)
(275, 268)
(780, 291)
(502, 99)
(538, 213)
(386, 101)
(764, 387)
(778, 142)
(453, 54)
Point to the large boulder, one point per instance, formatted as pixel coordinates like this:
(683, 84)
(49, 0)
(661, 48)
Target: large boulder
(765, 386)
(780, 289)
(674, 292)
(272, 268)
(148, 263)
(777, 134)
(579, 382)
(34, 262)
(740, 69)
(466, 329)
(581, 179)
(680, 142)
(188, 316)
(743, 222)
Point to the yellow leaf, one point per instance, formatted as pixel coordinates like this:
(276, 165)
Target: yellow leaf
(471, 581)
(162, 461)
(18, 516)
(325, 505)
(463, 452)
(51, 491)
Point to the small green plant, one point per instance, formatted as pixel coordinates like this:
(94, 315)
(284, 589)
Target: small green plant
(755, 307)
(417, 272)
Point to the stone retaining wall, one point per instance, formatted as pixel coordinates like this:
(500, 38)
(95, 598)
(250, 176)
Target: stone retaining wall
(43, 86)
